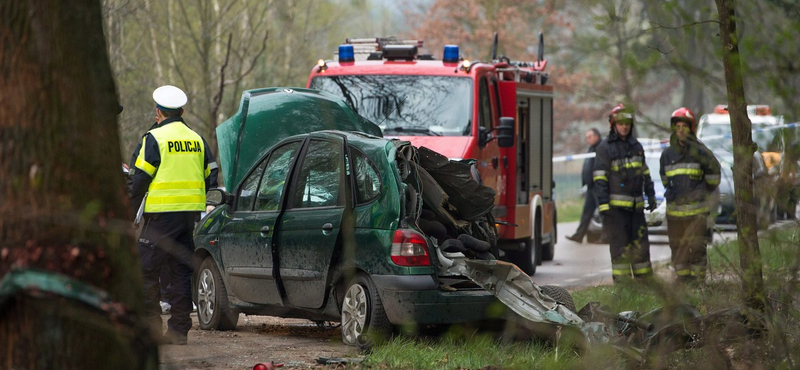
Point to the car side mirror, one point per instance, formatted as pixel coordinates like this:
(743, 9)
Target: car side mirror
(505, 132)
(216, 197)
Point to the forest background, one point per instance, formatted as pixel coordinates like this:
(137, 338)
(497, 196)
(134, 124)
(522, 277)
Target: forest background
(658, 54)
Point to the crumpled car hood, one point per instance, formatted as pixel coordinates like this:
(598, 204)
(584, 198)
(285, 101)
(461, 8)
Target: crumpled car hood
(267, 116)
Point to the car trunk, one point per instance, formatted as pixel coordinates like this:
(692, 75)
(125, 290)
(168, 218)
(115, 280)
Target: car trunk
(445, 200)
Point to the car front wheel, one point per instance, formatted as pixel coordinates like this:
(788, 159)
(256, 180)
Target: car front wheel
(364, 321)
(213, 310)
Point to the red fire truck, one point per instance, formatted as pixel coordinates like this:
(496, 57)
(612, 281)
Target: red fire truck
(456, 107)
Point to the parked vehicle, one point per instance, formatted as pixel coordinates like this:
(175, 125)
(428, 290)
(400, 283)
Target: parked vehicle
(454, 106)
(328, 221)
(764, 185)
(770, 163)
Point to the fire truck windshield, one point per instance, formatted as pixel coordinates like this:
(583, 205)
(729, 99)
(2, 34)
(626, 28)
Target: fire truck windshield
(406, 105)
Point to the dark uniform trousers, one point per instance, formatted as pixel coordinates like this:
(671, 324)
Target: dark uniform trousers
(166, 239)
(626, 232)
(687, 240)
(589, 205)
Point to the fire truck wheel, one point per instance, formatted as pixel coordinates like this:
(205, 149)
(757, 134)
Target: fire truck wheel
(559, 295)
(528, 259)
(548, 251)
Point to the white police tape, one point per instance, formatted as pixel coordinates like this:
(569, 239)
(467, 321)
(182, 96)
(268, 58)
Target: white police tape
(574, 157)
(654, 147)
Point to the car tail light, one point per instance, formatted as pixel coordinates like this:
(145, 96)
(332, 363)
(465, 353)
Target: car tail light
(409, 248)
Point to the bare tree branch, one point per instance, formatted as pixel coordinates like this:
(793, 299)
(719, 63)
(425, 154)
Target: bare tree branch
(218, 96)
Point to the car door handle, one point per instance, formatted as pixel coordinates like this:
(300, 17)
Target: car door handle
(327, 228)
(265, 231)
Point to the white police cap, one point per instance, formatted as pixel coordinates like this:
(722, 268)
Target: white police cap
(169, 97)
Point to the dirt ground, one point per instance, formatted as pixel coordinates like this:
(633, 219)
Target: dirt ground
(258, 339)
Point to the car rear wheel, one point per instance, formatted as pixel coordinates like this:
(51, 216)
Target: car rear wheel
(364, 321)
(213, 310)
(560, 295)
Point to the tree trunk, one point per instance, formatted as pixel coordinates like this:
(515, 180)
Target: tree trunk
(749, 254)
(64, 208)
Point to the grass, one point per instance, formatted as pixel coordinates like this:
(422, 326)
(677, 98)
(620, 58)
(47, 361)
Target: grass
(778, 348)
(570, 209)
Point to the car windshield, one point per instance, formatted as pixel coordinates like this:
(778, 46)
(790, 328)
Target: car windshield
(406, 105)
(719, 137)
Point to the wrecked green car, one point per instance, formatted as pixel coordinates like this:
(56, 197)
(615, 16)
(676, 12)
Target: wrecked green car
(326, 220)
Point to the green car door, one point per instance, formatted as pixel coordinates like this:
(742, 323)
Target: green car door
(246, 242)
(310, 226)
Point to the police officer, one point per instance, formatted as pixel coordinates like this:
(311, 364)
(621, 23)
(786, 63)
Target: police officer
(620, 177)
(173, 169)
(690, 174)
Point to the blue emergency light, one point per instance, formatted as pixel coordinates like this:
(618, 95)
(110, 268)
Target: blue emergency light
(346, 53)
(450, 54)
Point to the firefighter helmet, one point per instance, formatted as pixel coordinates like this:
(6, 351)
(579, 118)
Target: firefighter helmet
(620, 113)
(685, 115)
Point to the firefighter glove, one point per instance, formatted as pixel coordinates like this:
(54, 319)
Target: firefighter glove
(651, 205)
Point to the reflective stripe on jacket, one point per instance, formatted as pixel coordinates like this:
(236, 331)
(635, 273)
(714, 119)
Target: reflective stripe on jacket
(178, 183)
(690, 175)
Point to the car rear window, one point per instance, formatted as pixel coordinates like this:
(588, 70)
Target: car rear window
(368, 182)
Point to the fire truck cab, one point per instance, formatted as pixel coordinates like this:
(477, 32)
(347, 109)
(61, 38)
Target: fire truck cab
(457, 108)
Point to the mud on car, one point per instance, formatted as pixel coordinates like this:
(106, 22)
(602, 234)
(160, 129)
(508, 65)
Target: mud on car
(326, 220)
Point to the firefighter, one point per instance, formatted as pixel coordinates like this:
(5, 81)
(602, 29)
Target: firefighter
(620, 177)
(690, 174)
(174, 168)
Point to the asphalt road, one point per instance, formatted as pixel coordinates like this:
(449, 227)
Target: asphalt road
(581, 265)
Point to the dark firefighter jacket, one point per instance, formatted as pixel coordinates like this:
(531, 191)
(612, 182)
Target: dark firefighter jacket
(690, 175)
(588, 168)
(621, 174)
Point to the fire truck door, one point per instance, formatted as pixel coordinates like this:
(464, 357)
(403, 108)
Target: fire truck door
(490, 163)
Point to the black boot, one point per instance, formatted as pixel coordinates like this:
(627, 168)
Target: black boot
(576, 238)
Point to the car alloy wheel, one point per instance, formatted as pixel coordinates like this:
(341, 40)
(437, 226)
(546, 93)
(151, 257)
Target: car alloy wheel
(364, 321)
(213, 310)
(205, 296)
(354, 314)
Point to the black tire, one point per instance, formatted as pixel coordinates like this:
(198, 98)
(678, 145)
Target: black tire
(364, 321)
(529, 258)
(549, 249)
(213, 309)
(559, 295)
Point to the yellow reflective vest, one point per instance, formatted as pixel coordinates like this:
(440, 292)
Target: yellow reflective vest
(179, 180)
